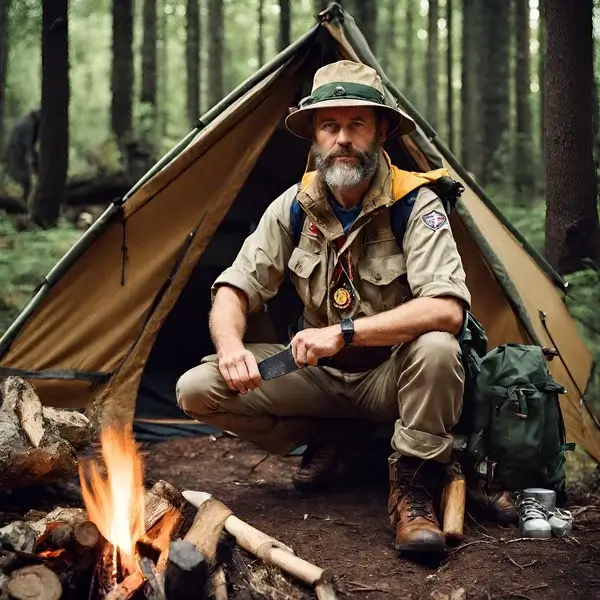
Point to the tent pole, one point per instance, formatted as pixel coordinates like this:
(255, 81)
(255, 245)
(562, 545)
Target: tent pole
(85, 241)
(453, 161)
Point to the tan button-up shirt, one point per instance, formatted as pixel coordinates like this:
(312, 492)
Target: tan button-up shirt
(385, 274)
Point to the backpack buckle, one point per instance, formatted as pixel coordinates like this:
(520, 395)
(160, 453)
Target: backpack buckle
(486, 469)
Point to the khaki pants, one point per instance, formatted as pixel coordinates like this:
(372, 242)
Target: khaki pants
(419, 388)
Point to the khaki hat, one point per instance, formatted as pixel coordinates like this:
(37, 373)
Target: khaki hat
(346, 83)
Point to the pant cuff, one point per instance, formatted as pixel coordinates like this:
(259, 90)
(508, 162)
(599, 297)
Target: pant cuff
(419, 444)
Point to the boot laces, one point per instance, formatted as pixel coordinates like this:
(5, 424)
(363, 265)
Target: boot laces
(419, 499)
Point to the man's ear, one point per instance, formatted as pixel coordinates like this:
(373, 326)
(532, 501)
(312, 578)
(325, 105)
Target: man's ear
(383, 129)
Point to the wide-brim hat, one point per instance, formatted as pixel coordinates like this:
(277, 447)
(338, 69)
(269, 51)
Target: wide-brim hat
(346, 83)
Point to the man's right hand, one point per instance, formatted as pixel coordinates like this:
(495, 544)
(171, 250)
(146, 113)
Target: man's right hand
(239, 369)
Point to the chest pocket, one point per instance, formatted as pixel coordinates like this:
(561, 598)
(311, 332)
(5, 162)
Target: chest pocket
(307, 272)
(384, 282)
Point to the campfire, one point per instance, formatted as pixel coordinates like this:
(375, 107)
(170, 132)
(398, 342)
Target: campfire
(127, 542)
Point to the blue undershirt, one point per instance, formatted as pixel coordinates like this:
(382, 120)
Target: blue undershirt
(346, 216)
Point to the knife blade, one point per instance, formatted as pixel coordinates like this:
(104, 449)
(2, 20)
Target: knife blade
(282, 363)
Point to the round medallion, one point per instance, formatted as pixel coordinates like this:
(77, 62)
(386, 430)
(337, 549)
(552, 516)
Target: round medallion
(339, 90)
(341, 297)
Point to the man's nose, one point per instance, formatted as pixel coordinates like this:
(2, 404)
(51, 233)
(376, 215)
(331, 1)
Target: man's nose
(343, 137)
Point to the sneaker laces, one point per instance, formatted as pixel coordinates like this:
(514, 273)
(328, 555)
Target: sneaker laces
(531, 508)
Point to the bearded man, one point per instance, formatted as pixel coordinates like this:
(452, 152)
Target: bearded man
(385, 314)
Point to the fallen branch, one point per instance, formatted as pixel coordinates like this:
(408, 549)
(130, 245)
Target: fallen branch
(453, 552)
(517, 564)
(357, 586)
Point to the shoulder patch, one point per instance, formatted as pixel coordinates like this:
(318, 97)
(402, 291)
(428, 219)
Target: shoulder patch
(434, 219)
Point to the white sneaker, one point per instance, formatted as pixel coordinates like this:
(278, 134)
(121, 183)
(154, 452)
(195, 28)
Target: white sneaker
(561, 522)
(533, 521)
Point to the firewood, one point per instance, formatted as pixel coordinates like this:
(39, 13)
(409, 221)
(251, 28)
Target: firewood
(154, 588)
(31, 450)
(186, 573)
(126, 589)
(60, 536)
(155, 542)
(159, 500)
(71, 425)
(86, 537)
(72, 516)
(36, 582)
(18, 535)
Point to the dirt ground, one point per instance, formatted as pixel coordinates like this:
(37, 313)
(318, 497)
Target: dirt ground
(345, 529)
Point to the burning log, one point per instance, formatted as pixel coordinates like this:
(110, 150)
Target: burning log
(36, 582)
(186, 574)
(32, 451)
(154, 589)
(60, 515)
(126, 589)
(159, 500)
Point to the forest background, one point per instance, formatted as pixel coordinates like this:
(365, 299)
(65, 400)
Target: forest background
(146, 70)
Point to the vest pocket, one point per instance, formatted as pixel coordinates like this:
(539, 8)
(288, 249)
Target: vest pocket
(306, 273)
(383, 281)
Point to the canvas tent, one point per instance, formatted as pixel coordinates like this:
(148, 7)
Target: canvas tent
(125, 311)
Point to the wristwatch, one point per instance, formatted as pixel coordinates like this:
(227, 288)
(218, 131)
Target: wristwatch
(347, 326)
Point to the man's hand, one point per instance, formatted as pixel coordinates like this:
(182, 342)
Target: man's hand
(311, 344)
(239, 369)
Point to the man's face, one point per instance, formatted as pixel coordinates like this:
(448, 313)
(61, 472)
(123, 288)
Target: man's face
(347, 144)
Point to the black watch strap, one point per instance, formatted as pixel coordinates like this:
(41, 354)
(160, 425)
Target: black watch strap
(347, 326)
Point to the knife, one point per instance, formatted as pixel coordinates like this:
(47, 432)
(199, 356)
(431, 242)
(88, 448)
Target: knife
(282, 363)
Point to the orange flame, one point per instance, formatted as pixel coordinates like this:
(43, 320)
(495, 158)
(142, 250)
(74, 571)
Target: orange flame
(116, 504)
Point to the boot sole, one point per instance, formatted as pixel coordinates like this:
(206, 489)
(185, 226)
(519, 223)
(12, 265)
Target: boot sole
(423, 547)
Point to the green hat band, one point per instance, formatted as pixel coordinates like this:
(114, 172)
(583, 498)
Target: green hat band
(342, 90)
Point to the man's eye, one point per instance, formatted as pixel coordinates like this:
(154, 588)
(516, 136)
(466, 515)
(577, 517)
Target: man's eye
(357, 124)
(330, 126)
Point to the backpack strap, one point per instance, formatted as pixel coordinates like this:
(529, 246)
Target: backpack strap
(400, 214)
(297, 216)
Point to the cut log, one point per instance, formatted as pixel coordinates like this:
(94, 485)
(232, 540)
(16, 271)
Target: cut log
(155, 542)
(18, 535)
(71, 425)
(72, 516)
(186, 573)
(34, 583)
(31, 451)
(158, 500)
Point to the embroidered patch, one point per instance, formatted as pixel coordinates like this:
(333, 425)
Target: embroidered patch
(434, 220)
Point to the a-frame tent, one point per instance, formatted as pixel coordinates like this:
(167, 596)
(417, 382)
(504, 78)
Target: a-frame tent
(125, 310)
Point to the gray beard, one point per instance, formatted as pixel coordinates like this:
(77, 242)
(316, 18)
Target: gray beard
(345, 175)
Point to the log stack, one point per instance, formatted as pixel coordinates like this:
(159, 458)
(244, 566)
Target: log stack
(38, 445)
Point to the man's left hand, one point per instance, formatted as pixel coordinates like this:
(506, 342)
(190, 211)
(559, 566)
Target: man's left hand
(311, 344)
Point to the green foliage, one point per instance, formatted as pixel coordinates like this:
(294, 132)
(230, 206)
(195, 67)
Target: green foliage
(25, 258)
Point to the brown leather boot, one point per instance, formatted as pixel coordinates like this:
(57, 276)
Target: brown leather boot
(320, 462)
(496, 503)
(410, 504)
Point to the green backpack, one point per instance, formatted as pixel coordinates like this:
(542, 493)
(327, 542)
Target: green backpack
(512, 418)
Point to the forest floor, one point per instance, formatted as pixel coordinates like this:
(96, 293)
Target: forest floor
(345, 529)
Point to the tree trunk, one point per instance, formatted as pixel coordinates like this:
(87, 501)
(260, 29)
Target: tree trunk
(163, 71)
(542, 72)
(469, 96)
(366, 19)
(285, 24)
(432, 63)
(192, 49)
(572, 230)
(54, 125)
(121, 76)
(495, 88)
(260, 44)
(4, 50)
(449, 73)
(149, 56)
(410, 49)
(215, 51)
(389, 53)
(524, 180)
